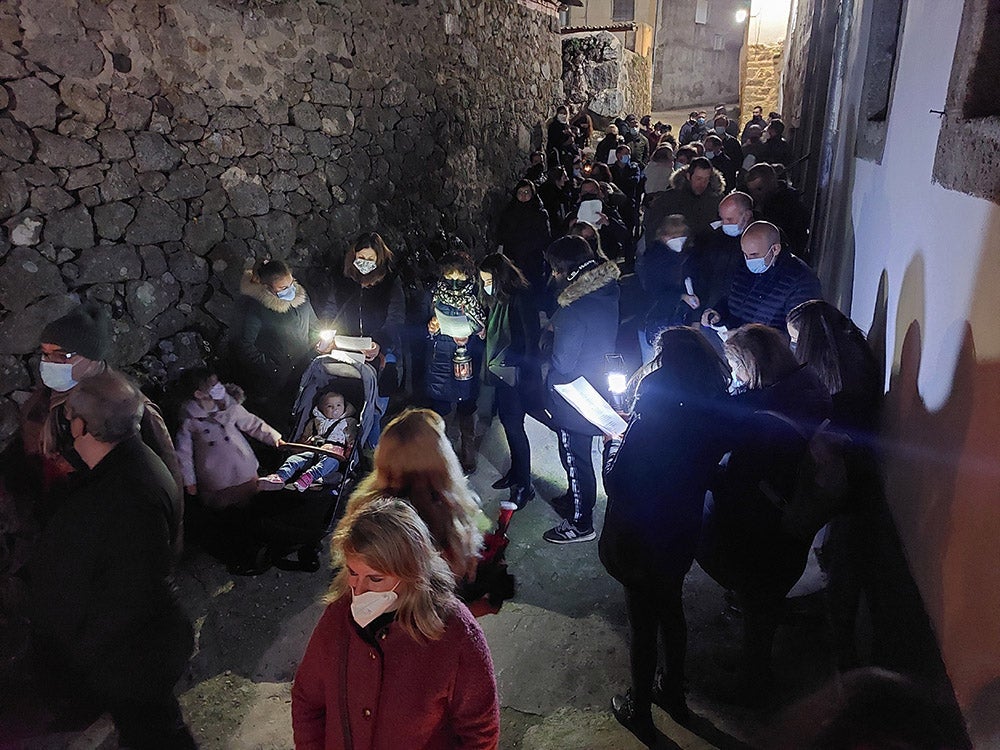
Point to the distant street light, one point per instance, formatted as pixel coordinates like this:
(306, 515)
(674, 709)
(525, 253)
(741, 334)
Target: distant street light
(741, 15)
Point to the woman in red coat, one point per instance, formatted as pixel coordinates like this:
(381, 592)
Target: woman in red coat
(396, 661)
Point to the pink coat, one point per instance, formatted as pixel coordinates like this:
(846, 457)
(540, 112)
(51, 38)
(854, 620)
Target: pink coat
(426, 695)
(211, 448)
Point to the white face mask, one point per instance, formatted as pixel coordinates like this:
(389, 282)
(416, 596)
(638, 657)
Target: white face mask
(562, 118)
(364, 265)
(733, 230)
(57, 375)
(488, 288)
(287, 294)
(217, 391)
(366, 607)
(676, 243)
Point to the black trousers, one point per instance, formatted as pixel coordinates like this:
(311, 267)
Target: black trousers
(510, 409)
(151, 726)
(656, 611)
(574, 452)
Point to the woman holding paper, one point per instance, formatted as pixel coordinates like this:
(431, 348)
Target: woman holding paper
(584, 330)
(455, 348)
(512, 366)
(656, 476)
(367, 301)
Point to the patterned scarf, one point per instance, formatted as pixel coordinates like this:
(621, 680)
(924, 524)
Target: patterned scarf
(465, 299)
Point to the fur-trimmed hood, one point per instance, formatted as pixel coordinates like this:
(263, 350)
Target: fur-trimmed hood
(589, 281)
(716, 185)
(252, 288)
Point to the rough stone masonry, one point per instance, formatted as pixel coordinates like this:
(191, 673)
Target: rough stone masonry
(151, 150)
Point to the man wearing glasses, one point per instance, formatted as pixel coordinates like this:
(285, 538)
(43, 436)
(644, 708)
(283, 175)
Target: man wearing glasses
(74, 348)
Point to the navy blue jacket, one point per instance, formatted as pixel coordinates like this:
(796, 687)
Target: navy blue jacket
(768, 297)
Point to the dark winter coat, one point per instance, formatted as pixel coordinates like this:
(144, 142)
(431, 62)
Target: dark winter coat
(558, 202)
(656, 478)
(275, 338)
(661, 273)
(733, 150)
(758, 120)
(776, 151)
(728, 166)
(512, 341)
(524, 232)
(101, 600)
(768, 297)
(605, 147)
(712, 262)
(743, 545)
(378, 311)
(699, 210)
(397, 692)
(585, 329)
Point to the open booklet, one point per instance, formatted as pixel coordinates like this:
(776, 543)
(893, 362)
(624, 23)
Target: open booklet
(353, 343)
(583, 397)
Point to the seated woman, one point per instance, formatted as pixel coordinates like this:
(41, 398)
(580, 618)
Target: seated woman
(656, 476)
(396, 661)
(744, 546)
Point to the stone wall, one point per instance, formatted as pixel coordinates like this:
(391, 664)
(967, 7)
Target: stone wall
(604, 77)
(150, 151)
(761, 79)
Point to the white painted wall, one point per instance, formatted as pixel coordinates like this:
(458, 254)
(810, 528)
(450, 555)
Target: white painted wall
(768, 21)
(940, 250)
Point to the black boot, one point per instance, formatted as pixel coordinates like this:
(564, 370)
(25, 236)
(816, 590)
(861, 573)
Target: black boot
(507, 480)
(636, 719)
(670, 697)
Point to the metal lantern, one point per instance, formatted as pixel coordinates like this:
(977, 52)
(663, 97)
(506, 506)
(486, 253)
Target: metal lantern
(461, 363)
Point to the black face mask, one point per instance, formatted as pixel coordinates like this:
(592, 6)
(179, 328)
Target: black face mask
(454, 284)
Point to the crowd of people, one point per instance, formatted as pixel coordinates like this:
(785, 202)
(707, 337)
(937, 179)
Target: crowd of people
(691, 250)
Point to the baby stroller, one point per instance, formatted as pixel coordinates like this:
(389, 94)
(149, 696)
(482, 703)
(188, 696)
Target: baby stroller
(296, 524)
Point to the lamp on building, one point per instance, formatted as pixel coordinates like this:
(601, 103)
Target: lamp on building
(741, 15)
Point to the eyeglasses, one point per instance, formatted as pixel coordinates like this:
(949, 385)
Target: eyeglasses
(57, 355)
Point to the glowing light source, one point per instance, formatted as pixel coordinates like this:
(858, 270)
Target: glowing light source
(741, 15)
(617, 382)
(327, 336)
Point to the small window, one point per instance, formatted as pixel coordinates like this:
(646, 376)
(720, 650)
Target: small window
(718, 42)
(622, 10)
(967, 158)
(701, 12)
(982, 95)
(564, 17)
(884, 34)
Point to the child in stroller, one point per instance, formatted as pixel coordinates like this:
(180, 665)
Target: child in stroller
(333, 428)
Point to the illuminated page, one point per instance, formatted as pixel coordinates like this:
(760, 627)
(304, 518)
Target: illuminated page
(583, 397)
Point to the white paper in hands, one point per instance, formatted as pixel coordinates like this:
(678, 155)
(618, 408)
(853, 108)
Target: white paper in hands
(456, 326)
(353, 343)
(590, 212)
(583, 397)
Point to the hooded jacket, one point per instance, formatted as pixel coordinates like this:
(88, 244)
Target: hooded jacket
(275, 336)
(699, 210)
(585, 329)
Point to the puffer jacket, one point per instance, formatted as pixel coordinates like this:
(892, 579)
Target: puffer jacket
(275, 336)
(585, 329)
(211, 447)
(768, 297)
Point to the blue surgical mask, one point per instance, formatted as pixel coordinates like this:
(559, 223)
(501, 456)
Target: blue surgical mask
(57, 375)
(701, 120)
(758, 265)
(624, 158)
(710, 155)
(287, 294)
(733, 230)
(720, 129)
(793, 345)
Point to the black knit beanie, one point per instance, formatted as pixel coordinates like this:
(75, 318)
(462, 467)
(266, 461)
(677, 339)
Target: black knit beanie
(85, 330)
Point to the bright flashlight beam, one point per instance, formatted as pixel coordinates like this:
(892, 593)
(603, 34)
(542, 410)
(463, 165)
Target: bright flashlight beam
(327, 335)
(617, 382)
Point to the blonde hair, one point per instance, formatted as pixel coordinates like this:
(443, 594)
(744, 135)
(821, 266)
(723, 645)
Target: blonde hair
(414, 460)
(391, 538)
